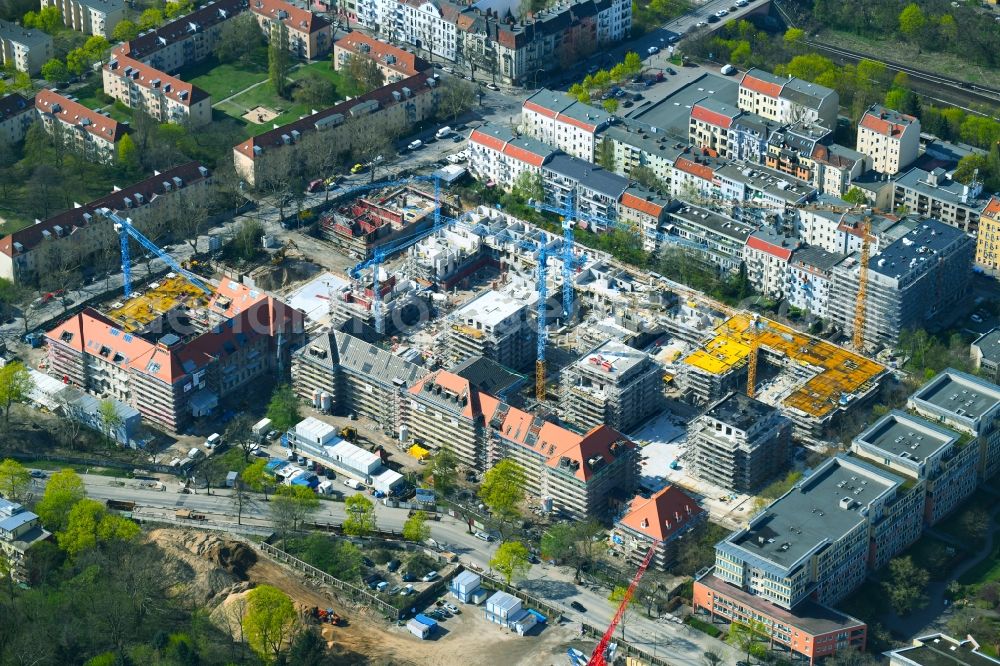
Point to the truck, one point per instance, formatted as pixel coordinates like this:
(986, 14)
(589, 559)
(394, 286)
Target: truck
(188, 514)
(120, 505)
(262, 428)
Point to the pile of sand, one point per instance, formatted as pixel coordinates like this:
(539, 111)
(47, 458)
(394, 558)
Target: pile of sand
(206, 564)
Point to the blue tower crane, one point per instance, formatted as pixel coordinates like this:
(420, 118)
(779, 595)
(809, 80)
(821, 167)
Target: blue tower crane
(125, 229)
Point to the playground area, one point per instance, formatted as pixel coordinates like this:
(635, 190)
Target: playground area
(260, 115)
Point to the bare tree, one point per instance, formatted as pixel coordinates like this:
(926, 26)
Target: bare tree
(239, 433)
(242, 500)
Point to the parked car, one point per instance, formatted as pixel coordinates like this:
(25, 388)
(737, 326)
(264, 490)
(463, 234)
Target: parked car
(393, 565)
(357, 168)
(408, 577)
(577, 606)
(653, 50)
(492, 86)
(429, 576)
(415, 144)
(483, 536)
(453, 608)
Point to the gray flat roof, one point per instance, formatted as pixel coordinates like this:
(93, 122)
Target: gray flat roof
(989, 344)
(810, 515)
(739, 411)
(588, 175)
(621, 357)
(673, 113)
(942, 650)
(816, 257)
(487, 375)
(922, 244)
(490, 308)
(906, 436)
(649, 139)
(946, 189)
(960, 394)
(805, 93)
(770, 181)
(720, 224)
(567, 105)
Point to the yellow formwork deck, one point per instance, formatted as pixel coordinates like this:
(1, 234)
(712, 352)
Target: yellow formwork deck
(841, 372)
(139, 311)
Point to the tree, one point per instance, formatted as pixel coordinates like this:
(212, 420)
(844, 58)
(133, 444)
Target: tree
(77, 61)
(15, 386)
(111, 421)
(610, 105)
(632, 63)
(63, 490)
(746, 634)
(912, 21)
(363, 74)
(175, 9)
(617, 596)
(128, 154)
(855, 196)
(646, 177)
(502, 490)
(308, 648)
(241, 499)
(239, 433)
(278, 58)
(416, 528)
(442, 471)
(239, 40)
(315, 91)
(906, 587)
(54, 71)
(511, 560)
(125, 31)
(270, 621)
(14, 480)
(850, 657)
(257, 477)
(150, 18)
(89, 525)
(809, 66)
(974, 524)
(96, 47)
(360, 520)
(794, 37)
(291, 505)
(559, 542)
(283, 410)
(971, 166)
(528, 186)
(457, 96)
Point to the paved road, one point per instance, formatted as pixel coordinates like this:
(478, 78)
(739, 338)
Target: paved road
(684, 645)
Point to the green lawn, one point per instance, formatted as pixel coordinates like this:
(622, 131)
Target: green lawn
(88, 96)
(222, 80)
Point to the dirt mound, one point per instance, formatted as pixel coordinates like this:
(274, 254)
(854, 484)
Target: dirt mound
(206, 564)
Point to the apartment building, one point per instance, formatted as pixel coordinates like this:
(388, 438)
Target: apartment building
(722, 238)
(403, 103)
(768, 255)
(82, 232)
(659, 522)
(444, 411)
(787, 101)
(910, 281)
(940, 463)
(16, 115)
(20, 529)
(310, 35)
(591, 190)
(739, 444)
(161, 96)
(933, 194)
(969, 405)
(173, 377)
(809, 279)
(829, 226)
(890, 139)
(837, 167)
(938, 649)
(758, 193)
(395, 63)
(183, 41)
(636, 144)
(747, 138)
(91, 17)
(987, 237)
(790, 149)
(710, 124)
(495, 325)
(985, 352)
(497, 155)
(645, 212)
(23, 49)
(79, 129)
(560, 120)
(614, 384)
(342, 374)
(694, 180)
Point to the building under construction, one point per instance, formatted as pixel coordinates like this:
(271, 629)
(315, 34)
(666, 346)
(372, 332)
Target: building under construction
(810, 380)
(496, 325)
(381, 217)
(614, 385)
(401, 302)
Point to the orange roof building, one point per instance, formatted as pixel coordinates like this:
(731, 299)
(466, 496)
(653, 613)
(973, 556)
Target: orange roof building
(656, 522)
(585, 475)
(394, 63)
(86, 131)
(309, 35)
(183, 362)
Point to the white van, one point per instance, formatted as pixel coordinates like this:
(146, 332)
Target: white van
(213, 440)
(351, 483)
(443, 132)
(194, 453)
(415, 144)
(727, 70)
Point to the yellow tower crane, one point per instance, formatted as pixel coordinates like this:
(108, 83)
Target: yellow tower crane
(752, 360)
(859, 307)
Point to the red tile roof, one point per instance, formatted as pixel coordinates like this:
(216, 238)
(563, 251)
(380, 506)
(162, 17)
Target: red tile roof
(760, 85)
(702, 171)
(491, 142)
(391, 56)
(523, 155)
(757, 243)
(458, 386)
(78, 115)
(69, 220)
(153, 79)
(662, 515)
(295, 18)
(598, 441)
(886, 121)
(699, 112)
(538, 108)
(417, 84)
(638, 203)
(992, 208)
